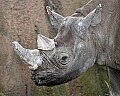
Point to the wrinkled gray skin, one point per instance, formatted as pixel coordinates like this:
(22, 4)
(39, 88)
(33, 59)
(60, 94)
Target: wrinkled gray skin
(68, 55)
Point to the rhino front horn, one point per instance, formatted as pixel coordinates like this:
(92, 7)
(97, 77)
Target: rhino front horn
(45, 43)
(32, 57)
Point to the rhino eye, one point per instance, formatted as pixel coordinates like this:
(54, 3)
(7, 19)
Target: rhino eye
(64, 58)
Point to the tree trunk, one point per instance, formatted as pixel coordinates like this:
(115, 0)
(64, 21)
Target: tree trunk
(18, 19)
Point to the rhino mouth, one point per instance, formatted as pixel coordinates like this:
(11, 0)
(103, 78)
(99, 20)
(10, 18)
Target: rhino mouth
(45, 80)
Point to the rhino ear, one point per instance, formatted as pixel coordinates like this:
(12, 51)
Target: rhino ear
(55, 18)
(93, 18)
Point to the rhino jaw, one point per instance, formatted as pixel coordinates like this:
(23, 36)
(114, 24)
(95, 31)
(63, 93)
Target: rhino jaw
(32, 57)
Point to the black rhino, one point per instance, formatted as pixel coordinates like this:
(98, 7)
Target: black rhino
(88, 36)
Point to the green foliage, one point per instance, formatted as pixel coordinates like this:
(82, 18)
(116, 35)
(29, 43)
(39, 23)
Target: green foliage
(1, 94)
(92, 82)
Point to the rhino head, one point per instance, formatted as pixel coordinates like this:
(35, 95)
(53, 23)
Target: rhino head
(68, 55)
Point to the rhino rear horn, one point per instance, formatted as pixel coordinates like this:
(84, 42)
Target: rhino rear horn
(45, 43)
(32, 57)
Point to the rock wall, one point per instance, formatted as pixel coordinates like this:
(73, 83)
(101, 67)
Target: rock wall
(18, 19)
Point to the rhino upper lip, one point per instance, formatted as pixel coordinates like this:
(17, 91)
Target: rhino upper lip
(42, 78)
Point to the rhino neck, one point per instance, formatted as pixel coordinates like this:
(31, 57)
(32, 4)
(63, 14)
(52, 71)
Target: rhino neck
(101, 44)
(107, 41)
